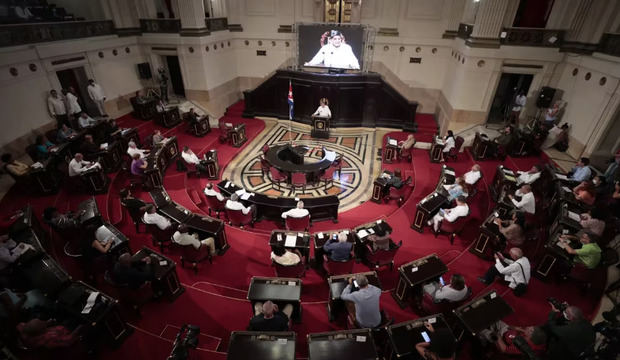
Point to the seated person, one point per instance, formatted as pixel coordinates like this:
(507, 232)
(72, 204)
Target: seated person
(515, 270)
(132, 149)
(89, 148)
(392, 181)
(297, 212)
(267, 317)
(380, 240)
(593, 221)
(449, 144)
(234, 204)
(39, 334)
(130, 202)
(160, 105)
(451, 215)
(502, 335)
(453, 292)
(158, 138)
(440, 347)
(589, 255)
(191, 116)
(85, 121)
(505, 138)
(513, 229)
(581, 171)
(527, 202)
(406, 145)
(601, 189)
(569, 334)
(152, 217)
(472, 176)
(528, 177)
(188, 155)
(15, 167)
(43, 147)
(585, 193)
(101, 244)
(78, 165)
(366, 300)
(555, 136)
(283, 256)
(338, 249)
(10, 251)
(133, 273)
(184, 238)
(457, 189)
(110, 129)
(138, 165)
(65, 134)
(70, 220)
(210, 191)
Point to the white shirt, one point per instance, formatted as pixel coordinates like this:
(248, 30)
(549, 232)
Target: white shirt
(131, 151)
(86, 122)
(78, 167)
(449, 144)
(471, 177)
(190, 158)
(212, 192)
(450, 294)
(74, 106)
(289, 258)
(519, 103)
(186, 239)
(527, 178)
(295, 213)
(527, 203)
(336, 57)
(236, 205)
(96, 92)
(456, 212)
(323, 111)
(162, 222)
(512, 273)
(56, 106)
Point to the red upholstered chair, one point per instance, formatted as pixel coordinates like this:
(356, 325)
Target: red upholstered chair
(238, 218)
(265, 148)
(379, 333)
(380, 257)
(290, 271)
(277, 176)
(453, 228)
(160, 237)
(264, 166)
(194, 256)
(431, 307)
(297, 224)
(298, 179)
(191, 169)
(400, 194)
(136, 217)
(216, 205)
(328, 175)
(134, 298)
(453, 153)
(333, 267)
(406, 154)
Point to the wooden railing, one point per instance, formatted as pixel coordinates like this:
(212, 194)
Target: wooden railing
(532, 37)
(216, 24)
(465, 30)
(609, 44)
(20, 34)
(172, 26)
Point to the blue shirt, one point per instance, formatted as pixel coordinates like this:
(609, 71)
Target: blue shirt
(367, 310)
(338, 251)
(581, 173)
(454, 192)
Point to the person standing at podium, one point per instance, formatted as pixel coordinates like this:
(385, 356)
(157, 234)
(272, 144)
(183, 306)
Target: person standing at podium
(323, 109)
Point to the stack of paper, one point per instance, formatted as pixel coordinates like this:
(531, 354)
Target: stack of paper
(561, 176)
(291, 240)
(227, 184)
(362, 233)
(393, 142)
(90, 302)
(574, 216)
(450, 172)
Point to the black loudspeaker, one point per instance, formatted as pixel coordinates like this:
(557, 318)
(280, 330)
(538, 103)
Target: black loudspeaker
(545, 97)
(144, 70)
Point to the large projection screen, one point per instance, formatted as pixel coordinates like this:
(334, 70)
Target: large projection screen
(331, 46)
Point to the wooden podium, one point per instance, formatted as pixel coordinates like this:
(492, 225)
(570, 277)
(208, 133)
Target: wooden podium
(320, 127)
(237, 135)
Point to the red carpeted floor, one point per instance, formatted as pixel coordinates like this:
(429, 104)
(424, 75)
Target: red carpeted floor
(215, 298)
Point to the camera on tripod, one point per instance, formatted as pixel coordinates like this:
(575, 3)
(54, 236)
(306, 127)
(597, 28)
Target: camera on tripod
(557, 304)
(180, 349)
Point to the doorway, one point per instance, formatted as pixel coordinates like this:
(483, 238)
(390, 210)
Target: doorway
(509, 86)
(608, 144)
(176, 79)
(77, 78)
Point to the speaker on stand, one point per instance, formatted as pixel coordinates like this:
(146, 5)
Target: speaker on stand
(545, 100)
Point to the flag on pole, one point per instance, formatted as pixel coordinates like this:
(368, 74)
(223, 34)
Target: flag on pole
(290, 100)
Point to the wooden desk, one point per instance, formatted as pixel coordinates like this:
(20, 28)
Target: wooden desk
(237, 135)
(124, 136)
(120, 242)
(200, 127)
(337, 283)
(378, 189)
(404, 336)
(96, 180)
(390, 151)
(562, 194)
(436, 148)
(111, 157)
(567, 215)
(490, 240)
(257, 345)
(212, 165)
(46, 177)
(320, 127)
(91, 215)
(281, 291)
(302, 241)
(164, 271)
(482, 147)
(413, 275)
(504, 183)
(554, 254)
(482, 312)
(144, 109)
(320, 238)
(426, 208)
(158, 160)
(44, 274)
(370, 228)
(168, 118)
(290, 159)
(447, 176)
(343, 345)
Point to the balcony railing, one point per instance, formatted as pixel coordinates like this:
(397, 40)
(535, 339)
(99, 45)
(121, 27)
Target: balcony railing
(20, 34)
(610, 44)
(532, 37)
(171, 26)
(465, 30)
(216, 24)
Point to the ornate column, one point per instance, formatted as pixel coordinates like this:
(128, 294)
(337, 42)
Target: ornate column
(488, 23)
(454, 19)
(146, 9)
(192, 15)
(124, 15)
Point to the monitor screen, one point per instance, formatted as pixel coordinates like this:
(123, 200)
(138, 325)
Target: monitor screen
(331, 46)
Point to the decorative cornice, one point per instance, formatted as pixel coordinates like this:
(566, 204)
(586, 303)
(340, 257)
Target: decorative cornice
(128, 31)
(491, 43)
(285, 29)
(235, 28)
(578, 47)
(195, 32)
(387, 32)
(449, 34)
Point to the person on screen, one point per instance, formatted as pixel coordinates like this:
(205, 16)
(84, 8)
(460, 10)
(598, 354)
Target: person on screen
(323, 109)
(335, 54)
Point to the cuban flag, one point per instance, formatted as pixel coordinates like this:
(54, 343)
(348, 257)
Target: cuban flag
(290, 100)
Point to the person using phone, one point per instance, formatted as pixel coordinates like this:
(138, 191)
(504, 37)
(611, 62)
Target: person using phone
(338, 249)
(440, 344)
(515, 270)
(366, 300)
(450, 215)
(455, 291)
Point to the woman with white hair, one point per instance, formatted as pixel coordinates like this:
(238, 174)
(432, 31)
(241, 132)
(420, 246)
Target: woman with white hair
(133, 149)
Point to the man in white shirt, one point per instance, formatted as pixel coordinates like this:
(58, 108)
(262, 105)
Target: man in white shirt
(133, 149)
(96, 94)
(461, 209)
(184, 238)
(57, 108)
(518, 105)
(527, 202)
(210, 191)
(85, 121)
(515, 270)
(234, 204)
(73, 107)
(473, 175)
(280, 255)
(454, 291)
(188, 155)
(78, 165)
(528, 177)
(297, 212)
(152, 217)
(10, 251)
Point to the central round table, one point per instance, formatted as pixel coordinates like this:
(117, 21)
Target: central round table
(290, 159)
